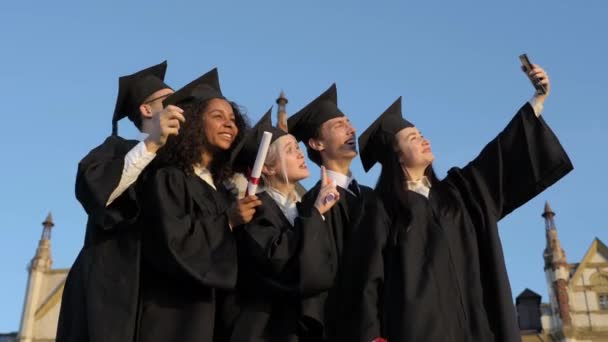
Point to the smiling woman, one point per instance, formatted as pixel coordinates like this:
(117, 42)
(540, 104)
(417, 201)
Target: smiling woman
(211, 126)
(446, 275)
(188, 249)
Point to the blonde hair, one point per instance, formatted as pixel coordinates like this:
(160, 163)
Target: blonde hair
(274, 157)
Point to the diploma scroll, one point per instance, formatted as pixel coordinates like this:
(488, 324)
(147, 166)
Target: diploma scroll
(260, 158)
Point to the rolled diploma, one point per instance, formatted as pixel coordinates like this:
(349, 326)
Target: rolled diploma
(260, 158)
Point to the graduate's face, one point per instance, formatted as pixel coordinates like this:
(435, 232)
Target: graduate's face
(414, 150)
(338, 139)
(287, 156)
(219, 124)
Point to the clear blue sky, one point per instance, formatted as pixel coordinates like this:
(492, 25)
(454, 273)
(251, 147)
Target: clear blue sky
(454, 63)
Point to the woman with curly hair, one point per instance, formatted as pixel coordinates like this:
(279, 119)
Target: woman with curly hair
(188, 250)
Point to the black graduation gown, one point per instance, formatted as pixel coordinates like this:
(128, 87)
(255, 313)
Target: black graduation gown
(99, 300)
(279, 265)
(447, 276)
(188, 254)
(350, 310)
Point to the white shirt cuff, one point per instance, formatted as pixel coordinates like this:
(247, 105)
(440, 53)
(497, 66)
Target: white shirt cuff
(139, 155)
(536, 105)
(135, 161)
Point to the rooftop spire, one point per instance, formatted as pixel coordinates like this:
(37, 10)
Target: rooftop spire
(47, 225)
(548, 213)
(281, 111)
(554, 253)
(42, 261)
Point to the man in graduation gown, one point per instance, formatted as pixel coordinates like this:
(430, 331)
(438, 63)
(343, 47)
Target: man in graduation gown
(330, 141)
(100, 296)
(446, 278)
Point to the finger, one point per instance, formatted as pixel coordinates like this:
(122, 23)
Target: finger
(177, 116)
(174, 108)
(334, 191)
(325, 189)
(250, 206)
(329, 198)
(173, 123)
(539, 74)
(323, 176)
(535, 79)
(332, 196)
(246, 200)
(172, 131)
(250, 202)
(249, 215)
(254, 204)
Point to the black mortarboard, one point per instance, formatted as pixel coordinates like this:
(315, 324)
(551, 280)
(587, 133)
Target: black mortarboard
(376, 143)
(305, 123)
(203, 88)
(134, 89)
(243, 155)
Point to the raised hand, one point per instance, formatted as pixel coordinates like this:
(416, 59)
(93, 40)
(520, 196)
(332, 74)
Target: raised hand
(242, 211)
(165, 123)
(328, 194)
(539, 76)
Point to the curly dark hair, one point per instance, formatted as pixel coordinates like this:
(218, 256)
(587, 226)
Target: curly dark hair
(185, 150)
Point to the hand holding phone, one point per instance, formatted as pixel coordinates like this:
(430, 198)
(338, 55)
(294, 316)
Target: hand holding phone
(525, 61)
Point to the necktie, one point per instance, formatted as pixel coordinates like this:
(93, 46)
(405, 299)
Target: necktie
(354, 187)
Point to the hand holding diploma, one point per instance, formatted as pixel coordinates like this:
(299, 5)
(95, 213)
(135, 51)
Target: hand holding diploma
(243, 210)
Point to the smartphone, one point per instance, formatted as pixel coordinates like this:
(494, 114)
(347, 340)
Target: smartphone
(525, 61)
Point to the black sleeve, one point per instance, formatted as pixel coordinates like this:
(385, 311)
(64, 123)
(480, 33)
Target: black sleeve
(522, 161)
(317, 254)
(295, 258)
(182, 243)
(98, 175)
(364, 271)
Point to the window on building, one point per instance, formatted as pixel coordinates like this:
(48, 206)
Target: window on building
(602, 298)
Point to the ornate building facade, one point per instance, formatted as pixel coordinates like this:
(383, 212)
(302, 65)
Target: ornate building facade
(578, 294)
(43, 292)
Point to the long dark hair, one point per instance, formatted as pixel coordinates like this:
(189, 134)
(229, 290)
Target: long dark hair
(392, 185)
(185, 149)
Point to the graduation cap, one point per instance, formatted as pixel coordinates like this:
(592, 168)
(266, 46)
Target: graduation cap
(243, 155)
(203, 88)
(376, 143)
(305, 123)
(134, 89)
